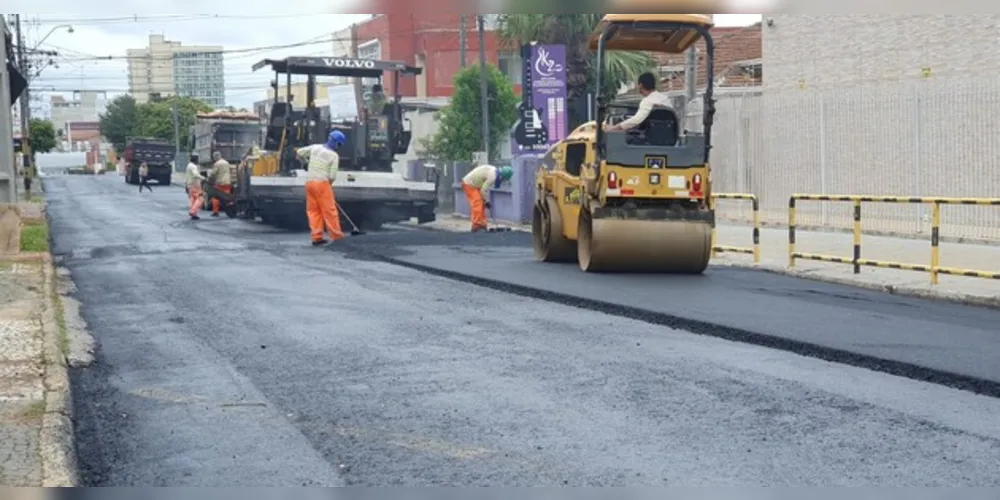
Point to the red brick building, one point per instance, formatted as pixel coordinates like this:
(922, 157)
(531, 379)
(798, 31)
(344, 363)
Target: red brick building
(431, 41)
(737, 60)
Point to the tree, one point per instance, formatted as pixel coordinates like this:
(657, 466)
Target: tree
(461, 122)
(42, 135)
(156, 119)
(573, 30)
(119, 120)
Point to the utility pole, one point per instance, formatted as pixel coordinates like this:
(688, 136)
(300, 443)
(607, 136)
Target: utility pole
(358, 93)
(484, 87)
(461, 40)
(177, 135)
(22, 61)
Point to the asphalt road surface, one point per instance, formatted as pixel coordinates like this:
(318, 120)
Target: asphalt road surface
(231, 353)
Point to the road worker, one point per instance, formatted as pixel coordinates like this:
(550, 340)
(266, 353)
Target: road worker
(193, 179)
(144, 177)
(321, 171)
(221, 175)
(477, 185)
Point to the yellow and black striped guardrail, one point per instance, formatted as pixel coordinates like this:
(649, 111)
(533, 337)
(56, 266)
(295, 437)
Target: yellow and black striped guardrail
(755, 249)
(934, 268)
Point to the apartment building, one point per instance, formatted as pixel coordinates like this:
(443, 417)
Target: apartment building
(165, 68)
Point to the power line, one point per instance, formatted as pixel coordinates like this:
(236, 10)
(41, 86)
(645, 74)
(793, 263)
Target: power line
(135, 19)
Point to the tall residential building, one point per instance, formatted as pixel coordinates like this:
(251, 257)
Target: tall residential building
(168, 68)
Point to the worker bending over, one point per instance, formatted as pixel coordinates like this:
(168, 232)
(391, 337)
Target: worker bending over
(650, 98)
(477, 185)
(221, 175)
(196, 195)
(321, 204)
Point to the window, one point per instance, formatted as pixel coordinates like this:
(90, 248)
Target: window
(370, 50)
(510, 64)
(575, 155)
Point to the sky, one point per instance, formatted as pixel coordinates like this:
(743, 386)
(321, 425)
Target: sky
(100, 30)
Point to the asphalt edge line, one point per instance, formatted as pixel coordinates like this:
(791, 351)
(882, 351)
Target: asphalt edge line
(898, 368)
(56, 440)
(900, 290)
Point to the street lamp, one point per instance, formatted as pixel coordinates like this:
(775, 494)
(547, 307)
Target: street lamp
(69, 29)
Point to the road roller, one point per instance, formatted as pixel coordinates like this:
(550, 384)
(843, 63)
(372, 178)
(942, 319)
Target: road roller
(638, 200)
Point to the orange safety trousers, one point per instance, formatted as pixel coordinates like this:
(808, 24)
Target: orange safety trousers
(321, 208)
(215, 201)
(477, 206)
(195, 199)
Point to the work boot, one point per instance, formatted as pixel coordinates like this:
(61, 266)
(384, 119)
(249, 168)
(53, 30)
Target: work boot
(318, 243)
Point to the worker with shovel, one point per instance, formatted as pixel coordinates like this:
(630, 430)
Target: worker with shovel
(477, 185)
(321, 171)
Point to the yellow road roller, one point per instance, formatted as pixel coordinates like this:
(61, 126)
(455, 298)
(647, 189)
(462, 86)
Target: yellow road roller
(635, 200)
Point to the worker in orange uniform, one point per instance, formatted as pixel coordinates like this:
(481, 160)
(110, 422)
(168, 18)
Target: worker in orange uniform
(321, 171)
(221, 175)
(477, 185)
(196, 193)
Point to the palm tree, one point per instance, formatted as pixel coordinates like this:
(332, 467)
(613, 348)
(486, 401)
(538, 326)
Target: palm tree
(573, 30)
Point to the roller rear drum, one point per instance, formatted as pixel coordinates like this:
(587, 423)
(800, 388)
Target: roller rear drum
(651, 246)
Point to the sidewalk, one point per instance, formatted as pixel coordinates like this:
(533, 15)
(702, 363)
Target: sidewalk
(774, 258)
(36, 433)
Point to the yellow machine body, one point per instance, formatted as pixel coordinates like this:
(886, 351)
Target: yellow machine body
(629, 207)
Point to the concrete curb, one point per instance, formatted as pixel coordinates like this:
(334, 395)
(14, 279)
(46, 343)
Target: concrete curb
(56, 440)
(902, 290)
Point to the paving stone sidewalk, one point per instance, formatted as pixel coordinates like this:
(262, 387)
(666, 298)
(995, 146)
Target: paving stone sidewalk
(36, 437)
(22, 370)
(774, 258)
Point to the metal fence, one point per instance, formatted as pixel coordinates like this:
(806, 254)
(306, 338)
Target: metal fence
(920, 138)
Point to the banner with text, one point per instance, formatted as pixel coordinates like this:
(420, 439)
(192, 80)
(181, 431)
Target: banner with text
(542, 118)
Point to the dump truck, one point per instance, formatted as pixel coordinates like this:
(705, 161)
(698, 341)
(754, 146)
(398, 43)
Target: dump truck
(637, 200)
(231, 133)
(158, 155)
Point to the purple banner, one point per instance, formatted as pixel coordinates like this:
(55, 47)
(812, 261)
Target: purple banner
(542, 118)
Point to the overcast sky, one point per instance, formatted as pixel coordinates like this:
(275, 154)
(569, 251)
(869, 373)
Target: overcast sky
(100, 30)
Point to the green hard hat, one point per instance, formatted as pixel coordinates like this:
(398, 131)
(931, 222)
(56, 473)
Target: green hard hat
(506, 172)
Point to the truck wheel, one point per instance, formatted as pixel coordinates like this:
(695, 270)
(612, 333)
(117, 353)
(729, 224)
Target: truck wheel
(165, 181)
(426, 214)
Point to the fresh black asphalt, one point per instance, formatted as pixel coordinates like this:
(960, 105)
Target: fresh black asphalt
(233, 354)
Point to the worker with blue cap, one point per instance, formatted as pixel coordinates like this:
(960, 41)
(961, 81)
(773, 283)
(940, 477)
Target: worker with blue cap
(477, 185)
(321, 171)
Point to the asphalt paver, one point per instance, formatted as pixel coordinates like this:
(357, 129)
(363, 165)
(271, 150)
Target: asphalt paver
(231, 353)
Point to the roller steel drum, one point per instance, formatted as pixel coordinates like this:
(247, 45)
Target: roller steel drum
(619, 245)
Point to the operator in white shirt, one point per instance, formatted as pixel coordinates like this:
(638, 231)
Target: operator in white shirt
(650, 98)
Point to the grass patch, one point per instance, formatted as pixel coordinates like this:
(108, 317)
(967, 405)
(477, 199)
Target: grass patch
(35, 237)
(34, 412)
